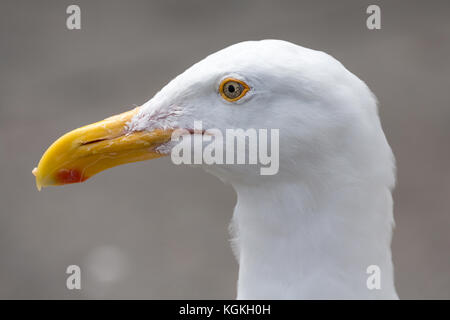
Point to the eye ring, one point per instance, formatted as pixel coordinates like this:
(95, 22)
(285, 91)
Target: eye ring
(233, 89)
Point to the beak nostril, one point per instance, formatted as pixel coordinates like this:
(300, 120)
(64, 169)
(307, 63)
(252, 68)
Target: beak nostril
(93, 141)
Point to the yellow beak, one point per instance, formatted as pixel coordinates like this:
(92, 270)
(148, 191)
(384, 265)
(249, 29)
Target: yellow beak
(84, 152)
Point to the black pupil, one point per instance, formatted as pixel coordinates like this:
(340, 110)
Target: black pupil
(231, 88)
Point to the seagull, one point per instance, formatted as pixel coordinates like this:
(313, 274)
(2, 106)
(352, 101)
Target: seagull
(321, 227)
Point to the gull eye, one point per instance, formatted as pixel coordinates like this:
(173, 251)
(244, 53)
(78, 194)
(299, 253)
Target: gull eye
(233, 89)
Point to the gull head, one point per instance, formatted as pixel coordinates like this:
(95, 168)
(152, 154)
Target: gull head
(326, 117)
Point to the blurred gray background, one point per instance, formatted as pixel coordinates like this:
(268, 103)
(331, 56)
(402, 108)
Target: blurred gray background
(156, 230)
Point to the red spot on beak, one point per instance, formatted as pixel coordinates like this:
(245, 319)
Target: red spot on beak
(65, 176)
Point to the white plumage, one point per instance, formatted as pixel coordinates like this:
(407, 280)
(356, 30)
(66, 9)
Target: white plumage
(312, 230)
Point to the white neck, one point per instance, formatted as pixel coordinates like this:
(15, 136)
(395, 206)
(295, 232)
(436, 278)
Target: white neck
(313, 241)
